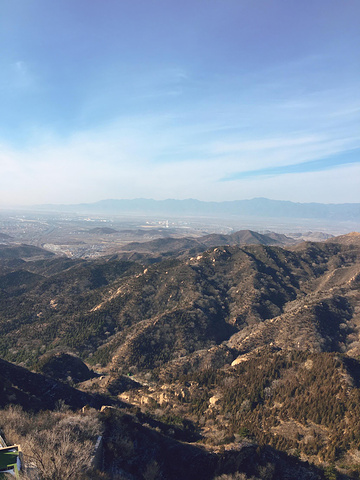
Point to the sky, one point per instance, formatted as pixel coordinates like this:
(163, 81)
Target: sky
(208, 99)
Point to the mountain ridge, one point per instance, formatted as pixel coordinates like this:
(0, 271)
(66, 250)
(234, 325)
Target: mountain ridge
(218, 291)
(193, 245)
(260, 207)
(238, 345)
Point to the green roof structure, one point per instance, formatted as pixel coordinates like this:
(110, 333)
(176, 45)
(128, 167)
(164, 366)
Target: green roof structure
(10, 460)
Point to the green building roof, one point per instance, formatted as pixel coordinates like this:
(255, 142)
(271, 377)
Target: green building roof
(9, 458)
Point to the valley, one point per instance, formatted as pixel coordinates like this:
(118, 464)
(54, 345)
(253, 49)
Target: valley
(86, 235)
(237, 350)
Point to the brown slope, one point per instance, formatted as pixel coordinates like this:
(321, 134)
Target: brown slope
(164, 245)
(148, 317)
(193, 305)
(35, 392)
(352, 238)
(197, 245)
(326, 317)
(246, 237)
(23, 251)
(267, 293)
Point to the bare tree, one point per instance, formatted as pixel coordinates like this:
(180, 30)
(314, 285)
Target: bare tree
(59, 444)
(58, 454)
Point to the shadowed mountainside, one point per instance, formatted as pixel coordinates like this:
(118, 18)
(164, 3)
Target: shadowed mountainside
(35, 392)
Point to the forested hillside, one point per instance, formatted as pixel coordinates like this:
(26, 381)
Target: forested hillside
(234, 346)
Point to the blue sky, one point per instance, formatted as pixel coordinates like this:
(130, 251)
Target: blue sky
(209, 99)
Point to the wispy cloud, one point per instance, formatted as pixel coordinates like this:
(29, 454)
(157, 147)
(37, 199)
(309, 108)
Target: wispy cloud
(121, 162)
(261, 143)
(345, 158)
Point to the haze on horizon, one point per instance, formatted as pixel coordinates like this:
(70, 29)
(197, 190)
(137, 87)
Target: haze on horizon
(213, 100)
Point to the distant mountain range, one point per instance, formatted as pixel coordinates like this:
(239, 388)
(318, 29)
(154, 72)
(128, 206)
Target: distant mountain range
(257, 207)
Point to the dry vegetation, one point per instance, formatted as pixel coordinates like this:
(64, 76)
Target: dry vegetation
(56, 445)
(244, 362)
